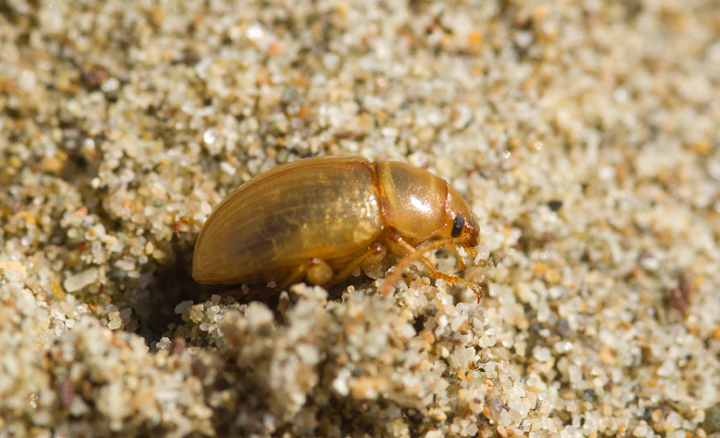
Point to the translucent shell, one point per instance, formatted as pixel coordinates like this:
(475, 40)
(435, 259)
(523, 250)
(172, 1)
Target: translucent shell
(334, 212)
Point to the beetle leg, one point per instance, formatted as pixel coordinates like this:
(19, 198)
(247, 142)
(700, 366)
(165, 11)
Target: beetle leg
(371, 257)
(460, 259)
(186, 220)
(315, 271)
(293, 278)
(319, 272)
(416, 254)
(472, 252)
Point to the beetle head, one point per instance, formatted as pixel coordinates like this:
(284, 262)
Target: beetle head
(461, 223)
(422, 206)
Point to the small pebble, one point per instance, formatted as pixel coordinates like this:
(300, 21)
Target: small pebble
(78, 281)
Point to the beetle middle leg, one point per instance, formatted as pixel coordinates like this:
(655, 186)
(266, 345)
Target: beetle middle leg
(397, 245)
(374, 255)
(315, 271)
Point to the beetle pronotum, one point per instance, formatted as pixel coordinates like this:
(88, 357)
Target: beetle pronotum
(320, 219)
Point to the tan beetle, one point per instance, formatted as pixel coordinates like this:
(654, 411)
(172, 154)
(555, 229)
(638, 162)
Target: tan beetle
(322, 218)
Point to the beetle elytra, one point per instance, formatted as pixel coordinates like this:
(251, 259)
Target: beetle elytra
(320, 219)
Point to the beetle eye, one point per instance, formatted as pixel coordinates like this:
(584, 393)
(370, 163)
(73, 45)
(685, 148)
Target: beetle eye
(458, 225)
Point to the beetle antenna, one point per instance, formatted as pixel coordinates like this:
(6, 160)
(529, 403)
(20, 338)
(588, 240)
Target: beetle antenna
(417, 254)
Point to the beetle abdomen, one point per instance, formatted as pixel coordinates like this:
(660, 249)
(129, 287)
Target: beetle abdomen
(324, 208)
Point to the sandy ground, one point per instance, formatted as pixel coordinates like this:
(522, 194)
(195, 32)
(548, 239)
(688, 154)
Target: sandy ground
(584, 135)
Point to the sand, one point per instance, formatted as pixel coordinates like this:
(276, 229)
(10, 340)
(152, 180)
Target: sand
(584, 135)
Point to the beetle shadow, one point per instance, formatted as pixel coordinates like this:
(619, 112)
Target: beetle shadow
(172, 285)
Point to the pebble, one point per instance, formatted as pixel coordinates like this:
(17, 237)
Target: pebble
(78, 281)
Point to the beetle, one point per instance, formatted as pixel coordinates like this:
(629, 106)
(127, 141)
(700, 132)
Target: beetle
(322, 218)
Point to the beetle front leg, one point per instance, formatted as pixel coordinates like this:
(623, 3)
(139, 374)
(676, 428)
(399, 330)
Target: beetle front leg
(398, 246)
(460, 259)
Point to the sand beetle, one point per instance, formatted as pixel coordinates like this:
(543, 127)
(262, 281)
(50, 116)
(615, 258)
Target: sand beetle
(320, 219)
